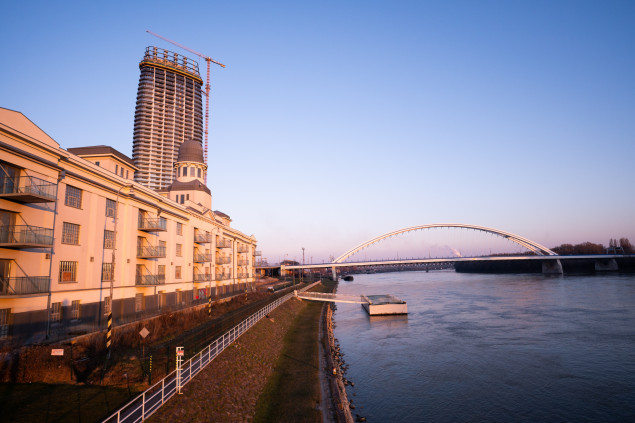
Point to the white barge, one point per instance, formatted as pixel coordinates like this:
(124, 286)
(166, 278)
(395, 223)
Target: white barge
(380, 305)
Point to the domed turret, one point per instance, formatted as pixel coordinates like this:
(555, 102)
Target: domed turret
(191, 151)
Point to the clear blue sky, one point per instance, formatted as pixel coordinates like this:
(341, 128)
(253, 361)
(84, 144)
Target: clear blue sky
(337, 121)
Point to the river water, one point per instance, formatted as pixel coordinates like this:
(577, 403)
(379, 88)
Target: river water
(492, 348)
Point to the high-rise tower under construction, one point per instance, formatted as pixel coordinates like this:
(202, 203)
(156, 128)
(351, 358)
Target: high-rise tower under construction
(169, 111)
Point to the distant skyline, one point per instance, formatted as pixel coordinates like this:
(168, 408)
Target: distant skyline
(336, 122)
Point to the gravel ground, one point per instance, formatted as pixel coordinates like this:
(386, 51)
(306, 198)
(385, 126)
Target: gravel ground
(228, 388)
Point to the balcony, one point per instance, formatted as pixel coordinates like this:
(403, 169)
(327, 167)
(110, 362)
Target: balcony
(223, 277)
(149, 251)
(223, 260)
(25, 236)
(149, 280)
(224, 243)
(25, 285)
(28, 189)
(198, 277)
(153, 225)
(202, 238)
(243, 262)
(243, 249)
(243, 276)
(202, 258)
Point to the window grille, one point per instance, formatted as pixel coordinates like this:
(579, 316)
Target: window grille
(138, 303)
(107, 305)
(109, 239)
(73, 197)
(179, 250)
(5, 322)
(75, 310)
(68, 271)
(177, 272)
(111, 207)
(56, 312)
(161, 269)
(107, 270)
(70, 233)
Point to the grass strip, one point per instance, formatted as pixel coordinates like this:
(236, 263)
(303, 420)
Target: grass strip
(292, 394)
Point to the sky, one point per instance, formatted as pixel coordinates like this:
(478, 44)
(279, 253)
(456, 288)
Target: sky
(337, 121)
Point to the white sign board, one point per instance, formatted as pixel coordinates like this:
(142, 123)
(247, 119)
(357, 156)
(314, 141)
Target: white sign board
(144, 332)
(57, 351)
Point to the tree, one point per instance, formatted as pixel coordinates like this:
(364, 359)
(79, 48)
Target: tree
(627, 246)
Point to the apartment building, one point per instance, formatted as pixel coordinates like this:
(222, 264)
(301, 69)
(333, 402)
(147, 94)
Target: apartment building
(80, 238)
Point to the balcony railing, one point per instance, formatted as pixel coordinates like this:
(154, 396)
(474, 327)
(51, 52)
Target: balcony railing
(202, 238)
(150, 280)
(150, 251)
(24, 285)
(257, 253)
(153, 225)
(243, 249)
(223, 277)
(223, 260)
(202, 258)
(224, 243)
(198, 277)
(25, 236)
(243, 262)
(28, 189)
(243, 275)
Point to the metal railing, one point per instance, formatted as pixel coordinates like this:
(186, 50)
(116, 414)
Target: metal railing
(223, 260)
(243, 276)
(149, 251)
(224, 243)
(29, 185)
(149, 279)
(202, 238)
(169, 58)
(153, 224)
(23, 285)
(243, 262)
(243, 249)
(201, 277)
(26, 234)
(223, 277)
(144, 405)
(202, 258)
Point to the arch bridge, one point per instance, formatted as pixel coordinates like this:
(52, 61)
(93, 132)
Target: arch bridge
(550, 260)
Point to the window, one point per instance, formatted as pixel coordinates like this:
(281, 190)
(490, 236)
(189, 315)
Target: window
(73, 197)
(70, 233)
(161, 269)
(127, 174)
(116, 169)
(109, 239)
(111, 207)
(68, 271)
(179, 228)
(107, 305)
(97, 163)
(56, 312)
(161, 300)
(179, 250)
(187, 197)
(5, 322)
(121, 172)
(179, 296)
(75, 310)
(185, 171)
(138, 303)
(107, 270)
(177, 272)
(199, 172)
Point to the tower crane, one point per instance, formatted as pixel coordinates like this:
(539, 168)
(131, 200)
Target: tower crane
(208, 60)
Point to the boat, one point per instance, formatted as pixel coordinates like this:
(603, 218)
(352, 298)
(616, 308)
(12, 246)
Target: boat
(347, 278)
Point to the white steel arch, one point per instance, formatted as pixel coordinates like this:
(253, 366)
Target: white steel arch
(530, 245)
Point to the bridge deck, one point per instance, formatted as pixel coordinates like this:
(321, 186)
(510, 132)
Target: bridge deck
(338, 298)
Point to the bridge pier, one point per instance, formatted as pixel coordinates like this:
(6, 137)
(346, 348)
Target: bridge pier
(551, 267)
(606, 265)
(334, 270)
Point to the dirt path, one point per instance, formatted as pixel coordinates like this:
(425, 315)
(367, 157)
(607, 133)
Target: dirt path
(228, 388)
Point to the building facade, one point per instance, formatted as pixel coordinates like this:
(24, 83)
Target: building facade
(80, 238)
(169, 111)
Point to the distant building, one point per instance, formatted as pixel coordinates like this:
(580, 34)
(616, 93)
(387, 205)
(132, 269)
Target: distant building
(169, 111)
(79, 238)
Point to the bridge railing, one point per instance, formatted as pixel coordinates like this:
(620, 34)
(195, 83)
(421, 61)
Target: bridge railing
(144, 405)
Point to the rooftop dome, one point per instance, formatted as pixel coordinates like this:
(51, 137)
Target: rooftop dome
(191, 151)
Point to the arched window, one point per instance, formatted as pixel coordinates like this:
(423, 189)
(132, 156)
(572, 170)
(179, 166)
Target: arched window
(185, 171)
(199, 172)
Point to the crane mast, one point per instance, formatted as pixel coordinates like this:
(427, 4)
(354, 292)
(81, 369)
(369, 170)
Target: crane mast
(208, 61)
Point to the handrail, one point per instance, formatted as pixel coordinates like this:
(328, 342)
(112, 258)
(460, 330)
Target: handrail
(26, 234)
(24, 285)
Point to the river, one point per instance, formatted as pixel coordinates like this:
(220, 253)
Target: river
(492, 348)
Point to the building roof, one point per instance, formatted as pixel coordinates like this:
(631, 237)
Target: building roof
(191, 151)
(221, 214)
(100, 150)
(194, 185)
